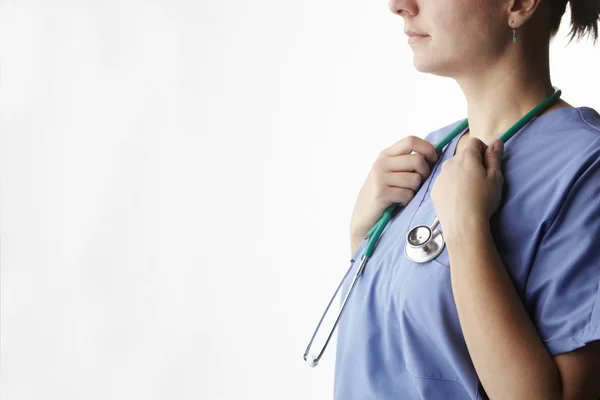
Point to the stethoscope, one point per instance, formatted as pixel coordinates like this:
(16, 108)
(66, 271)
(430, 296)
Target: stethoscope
(423, 243)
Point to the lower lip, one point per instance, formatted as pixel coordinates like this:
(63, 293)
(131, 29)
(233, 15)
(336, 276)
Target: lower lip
(417, 39)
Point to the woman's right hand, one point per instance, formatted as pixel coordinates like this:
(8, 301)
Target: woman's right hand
(395, 177)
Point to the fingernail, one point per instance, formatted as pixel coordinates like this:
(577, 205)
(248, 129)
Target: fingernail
(498, 146)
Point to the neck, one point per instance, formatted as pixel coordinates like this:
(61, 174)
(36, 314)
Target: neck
(498, 97)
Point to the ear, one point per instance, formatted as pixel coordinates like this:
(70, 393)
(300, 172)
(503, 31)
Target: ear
(521, 11)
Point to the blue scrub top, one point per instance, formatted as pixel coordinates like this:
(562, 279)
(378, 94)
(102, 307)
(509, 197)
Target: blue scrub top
(400, 337)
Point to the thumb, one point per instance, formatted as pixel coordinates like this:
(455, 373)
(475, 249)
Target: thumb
(493, 158)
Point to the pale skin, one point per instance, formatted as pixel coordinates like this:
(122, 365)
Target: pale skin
(507, 352)
(510, 79)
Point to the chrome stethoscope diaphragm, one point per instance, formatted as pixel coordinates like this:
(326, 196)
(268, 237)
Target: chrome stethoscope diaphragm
(424, 243)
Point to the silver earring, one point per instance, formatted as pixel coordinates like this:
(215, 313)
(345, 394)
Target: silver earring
(514, 35)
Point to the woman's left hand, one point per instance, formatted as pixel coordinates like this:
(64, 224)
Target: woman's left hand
(469, 184)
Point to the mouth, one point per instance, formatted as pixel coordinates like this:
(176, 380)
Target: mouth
(416, 37)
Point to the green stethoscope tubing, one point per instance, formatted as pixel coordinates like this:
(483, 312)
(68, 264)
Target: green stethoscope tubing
(377, 229)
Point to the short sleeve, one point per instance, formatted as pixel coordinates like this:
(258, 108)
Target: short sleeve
(562, 291)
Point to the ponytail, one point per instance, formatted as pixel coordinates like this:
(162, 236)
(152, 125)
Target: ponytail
(584, 17)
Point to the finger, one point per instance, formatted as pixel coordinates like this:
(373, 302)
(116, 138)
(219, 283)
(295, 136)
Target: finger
(407, 180)
(477, 144)
(410, 144)
(493, 158)
(400, 196)
(476, 147)
(407, 163)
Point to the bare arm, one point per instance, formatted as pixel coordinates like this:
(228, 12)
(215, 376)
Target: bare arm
(507, 352)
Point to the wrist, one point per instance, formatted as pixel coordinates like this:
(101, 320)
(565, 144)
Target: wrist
(357, 234)
(466, 228)
(355, 241)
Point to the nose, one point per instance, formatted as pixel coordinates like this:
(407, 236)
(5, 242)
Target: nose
(403, 7)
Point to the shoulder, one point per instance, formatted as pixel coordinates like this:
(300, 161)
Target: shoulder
(557, 147)
(573, 129)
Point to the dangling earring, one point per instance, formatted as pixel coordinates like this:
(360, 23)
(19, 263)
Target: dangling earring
(514, 35)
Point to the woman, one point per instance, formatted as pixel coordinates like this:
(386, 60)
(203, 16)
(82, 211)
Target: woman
(510, 309)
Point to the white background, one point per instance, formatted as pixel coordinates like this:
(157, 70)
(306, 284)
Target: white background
(177, 179)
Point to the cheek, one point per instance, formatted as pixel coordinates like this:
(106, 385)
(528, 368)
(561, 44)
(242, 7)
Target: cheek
(465, 26)
(487, 27)
(451, 31)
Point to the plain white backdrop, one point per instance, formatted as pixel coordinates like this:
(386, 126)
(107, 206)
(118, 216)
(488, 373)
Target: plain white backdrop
(177, 179)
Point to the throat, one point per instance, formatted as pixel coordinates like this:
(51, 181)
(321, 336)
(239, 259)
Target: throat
(465, 138)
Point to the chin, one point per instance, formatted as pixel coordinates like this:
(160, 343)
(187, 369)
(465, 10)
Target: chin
(425, 64)
(429, 65)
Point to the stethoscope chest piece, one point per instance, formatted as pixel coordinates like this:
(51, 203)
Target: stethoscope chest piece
(424, 243)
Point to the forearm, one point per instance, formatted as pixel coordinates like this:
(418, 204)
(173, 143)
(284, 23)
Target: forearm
(507, 352)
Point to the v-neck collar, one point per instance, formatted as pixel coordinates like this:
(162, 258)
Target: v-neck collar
(451, 148)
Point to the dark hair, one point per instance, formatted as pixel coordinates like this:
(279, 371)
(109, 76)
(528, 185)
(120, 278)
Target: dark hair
(584, 17)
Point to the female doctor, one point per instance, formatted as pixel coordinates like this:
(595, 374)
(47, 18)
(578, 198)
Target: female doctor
(510, 308)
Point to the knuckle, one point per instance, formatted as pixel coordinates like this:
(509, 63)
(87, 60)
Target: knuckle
(378, 164)
(417, 179)
(423, 165)
(408, 196)
(412, 141)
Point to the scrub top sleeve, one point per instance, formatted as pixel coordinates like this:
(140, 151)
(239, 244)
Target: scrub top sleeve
(562, 292)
